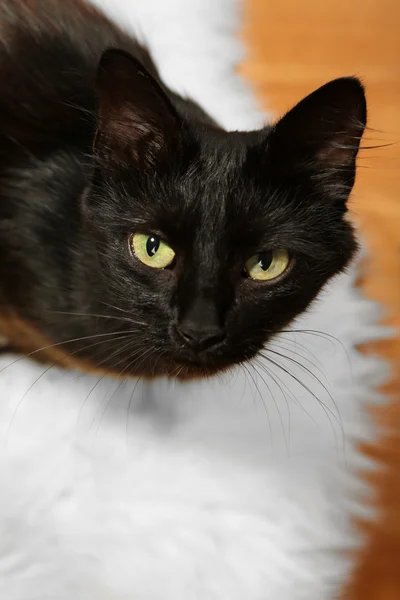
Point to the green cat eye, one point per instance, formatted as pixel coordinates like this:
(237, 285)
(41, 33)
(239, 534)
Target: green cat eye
(151, 250)
(268, 265)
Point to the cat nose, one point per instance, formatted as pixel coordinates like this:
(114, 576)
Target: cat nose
(200, 337)
(200, 326)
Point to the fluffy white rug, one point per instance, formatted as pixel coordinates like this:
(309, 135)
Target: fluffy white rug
(238, 489)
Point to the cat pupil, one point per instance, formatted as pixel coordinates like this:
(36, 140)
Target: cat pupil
(265, 260)
(152, 245)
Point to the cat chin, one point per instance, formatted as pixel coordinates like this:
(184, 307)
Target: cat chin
(189, 374)
(184, 373)
(188, 371)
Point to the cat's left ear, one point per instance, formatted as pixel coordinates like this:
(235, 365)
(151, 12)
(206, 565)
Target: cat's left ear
(137, 124)
(320, 136)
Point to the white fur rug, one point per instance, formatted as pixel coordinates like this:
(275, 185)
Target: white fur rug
(238, 489)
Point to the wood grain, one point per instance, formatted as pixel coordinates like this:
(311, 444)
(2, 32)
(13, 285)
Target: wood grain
(293, 47)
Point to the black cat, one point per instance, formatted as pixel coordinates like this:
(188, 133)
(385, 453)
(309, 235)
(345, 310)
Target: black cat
(137, 236)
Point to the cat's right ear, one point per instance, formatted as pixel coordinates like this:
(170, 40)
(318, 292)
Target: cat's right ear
(136, 122)
(320, 137)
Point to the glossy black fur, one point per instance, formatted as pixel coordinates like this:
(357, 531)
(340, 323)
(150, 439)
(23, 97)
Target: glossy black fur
(93, 148)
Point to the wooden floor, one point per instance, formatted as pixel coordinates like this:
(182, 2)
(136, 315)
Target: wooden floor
(293, 47)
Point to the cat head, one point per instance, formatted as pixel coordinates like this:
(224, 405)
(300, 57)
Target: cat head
(209, 243)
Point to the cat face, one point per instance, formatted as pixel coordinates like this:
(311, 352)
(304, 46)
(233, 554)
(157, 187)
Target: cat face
(209, 243)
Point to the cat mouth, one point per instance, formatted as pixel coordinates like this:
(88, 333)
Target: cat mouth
(191, 371)
(191, 366)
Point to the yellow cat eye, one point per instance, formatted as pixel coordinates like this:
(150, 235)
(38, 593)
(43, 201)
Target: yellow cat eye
(151, 250)
(268, 265)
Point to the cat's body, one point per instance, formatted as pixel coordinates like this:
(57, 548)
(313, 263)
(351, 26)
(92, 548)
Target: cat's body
(95, 153)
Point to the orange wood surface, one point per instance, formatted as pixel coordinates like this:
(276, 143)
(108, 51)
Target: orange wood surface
(294, 46)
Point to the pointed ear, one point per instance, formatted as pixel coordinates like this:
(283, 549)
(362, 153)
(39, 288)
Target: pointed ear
(137, 123)
(321, 135)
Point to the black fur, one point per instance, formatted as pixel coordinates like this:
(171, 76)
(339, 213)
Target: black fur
(93, 147)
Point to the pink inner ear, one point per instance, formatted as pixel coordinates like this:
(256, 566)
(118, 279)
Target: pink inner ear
(343, 147)
(325, 128)
(131, 138)
(137, 122)
(336, 154)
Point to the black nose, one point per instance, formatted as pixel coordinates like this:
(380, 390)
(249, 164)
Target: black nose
(199, 325)
(200, 338)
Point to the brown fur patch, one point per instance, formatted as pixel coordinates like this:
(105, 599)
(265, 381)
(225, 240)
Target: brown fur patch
(26, 339)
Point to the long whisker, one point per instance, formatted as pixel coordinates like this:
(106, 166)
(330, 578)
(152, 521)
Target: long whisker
(324, 407)
(324, 335)
(263, 403)
(117, 352)
(261, 366)
(14, 414)
(275, 403)
(57, 344)
(311, 374)
(295, 353)
(294, 342)
(100, 379)
(98, 316)
(128, 410)
(315, 378)
(119, 308)
(337, 418)
(119, 385)
(316, 333)
(117, 338)
(16, 410)
(277, 379)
